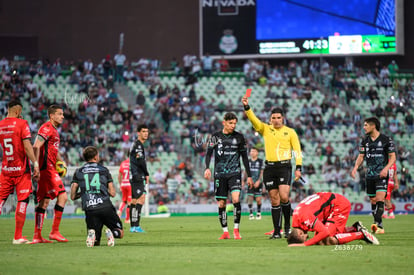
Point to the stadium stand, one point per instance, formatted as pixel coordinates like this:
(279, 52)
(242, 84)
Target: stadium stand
(325, 108)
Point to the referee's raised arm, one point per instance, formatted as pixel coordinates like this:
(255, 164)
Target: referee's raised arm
(258, 125)
(280, 143)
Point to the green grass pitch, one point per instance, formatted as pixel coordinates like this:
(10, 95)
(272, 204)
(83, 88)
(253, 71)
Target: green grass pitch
(190, 245)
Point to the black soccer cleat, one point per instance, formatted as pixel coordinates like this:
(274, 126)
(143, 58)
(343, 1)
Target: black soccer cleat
(275, 236)
(358, 226)
(287, 232)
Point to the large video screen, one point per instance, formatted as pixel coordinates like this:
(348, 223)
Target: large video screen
(240, 28)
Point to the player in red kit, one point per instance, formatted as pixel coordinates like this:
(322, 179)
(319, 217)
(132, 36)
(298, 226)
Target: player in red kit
(393, 184)
(50, 184)
(15, 139)
(123, 179)
(325, 214)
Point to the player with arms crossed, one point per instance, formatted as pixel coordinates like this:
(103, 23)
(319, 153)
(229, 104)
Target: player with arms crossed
(393, 184)
(123, 179)
(379, 152)
(228, 146)
(50, 185)
(325, 214)
(281, 144)
(255, 193)
(15, 170)
(138, 177)
(96, 187)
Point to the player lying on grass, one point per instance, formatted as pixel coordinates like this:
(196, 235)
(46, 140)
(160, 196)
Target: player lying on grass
(326, 214)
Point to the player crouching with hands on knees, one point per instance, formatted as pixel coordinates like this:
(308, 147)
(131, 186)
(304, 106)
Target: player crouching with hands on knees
(326, 214)
(96, 187)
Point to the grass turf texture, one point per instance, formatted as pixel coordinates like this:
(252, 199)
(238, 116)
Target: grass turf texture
(190, 245)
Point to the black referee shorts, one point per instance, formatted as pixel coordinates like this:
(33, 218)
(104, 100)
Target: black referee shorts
(277, 173)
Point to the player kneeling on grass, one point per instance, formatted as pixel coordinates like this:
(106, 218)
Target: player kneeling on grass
(326, 214)
(96, 187)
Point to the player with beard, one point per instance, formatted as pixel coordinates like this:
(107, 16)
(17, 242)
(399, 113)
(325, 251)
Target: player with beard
(50, 185)
(15, 171)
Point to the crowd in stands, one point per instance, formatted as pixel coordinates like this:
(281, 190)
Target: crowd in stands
(95, 114)
(90, 110)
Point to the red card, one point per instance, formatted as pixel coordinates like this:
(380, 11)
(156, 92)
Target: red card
(248, 92)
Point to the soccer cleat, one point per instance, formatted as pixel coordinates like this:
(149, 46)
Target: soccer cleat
(258, 216)
(384, 216)
(376, 229)
(391, 216)
(287, 232)
(275, 236)
(57, 237)
(251, 217)
(110, 237)
(270, 232)
(90, 240)
(225, 236)
(358, 226)
(39, 240)
(236, 234)
(369, 238)
(22, 240)
(138, 229)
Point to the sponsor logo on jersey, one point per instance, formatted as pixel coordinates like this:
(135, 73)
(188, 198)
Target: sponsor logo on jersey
(308, 223)
(12, 169)
(220, 148)
(93, 202)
